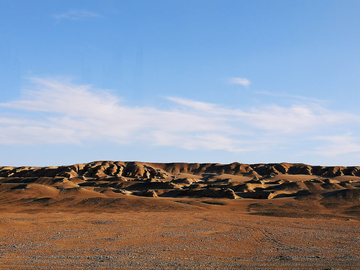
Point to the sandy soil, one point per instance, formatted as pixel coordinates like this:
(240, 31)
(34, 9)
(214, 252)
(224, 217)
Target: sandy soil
(199, 234)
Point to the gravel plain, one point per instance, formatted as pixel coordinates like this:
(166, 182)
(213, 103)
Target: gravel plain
(209, 239)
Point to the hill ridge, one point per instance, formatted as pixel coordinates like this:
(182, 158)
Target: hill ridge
(103, 169)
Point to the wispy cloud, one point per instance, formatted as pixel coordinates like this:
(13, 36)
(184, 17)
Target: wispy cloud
(240, 81)
(75, 14)
(295, 119)
(296, 97)
(56, 111)
(336, 145)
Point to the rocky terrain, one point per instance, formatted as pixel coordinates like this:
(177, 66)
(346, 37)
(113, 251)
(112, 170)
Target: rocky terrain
(108, 179)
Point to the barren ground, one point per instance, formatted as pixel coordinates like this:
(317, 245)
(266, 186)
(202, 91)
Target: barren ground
(216, 234)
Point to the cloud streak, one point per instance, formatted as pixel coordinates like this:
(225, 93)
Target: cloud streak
(56, 111)
(75, 14)
(336, 145)
(240, 81)
(296, 97)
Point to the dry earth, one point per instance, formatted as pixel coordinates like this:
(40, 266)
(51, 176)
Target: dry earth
(132, 215)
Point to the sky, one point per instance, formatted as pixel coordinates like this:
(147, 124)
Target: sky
(263, 81)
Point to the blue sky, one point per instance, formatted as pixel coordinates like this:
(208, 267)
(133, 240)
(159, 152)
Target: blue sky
(178, 80)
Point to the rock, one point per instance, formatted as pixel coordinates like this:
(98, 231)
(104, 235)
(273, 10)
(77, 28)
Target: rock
(150, 193)
(124, 192)
(230, 194)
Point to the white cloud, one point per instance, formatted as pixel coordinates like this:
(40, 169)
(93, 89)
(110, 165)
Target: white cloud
(272, 118)
(296, 119)
(193, 104)
(337, 145)
(56, 111)
(296, 97)
(40, 134)
(241, 81)
(74, 14)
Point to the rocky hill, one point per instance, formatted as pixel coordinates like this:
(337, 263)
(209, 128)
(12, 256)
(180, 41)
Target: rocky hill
(234, 181)
(105, 169)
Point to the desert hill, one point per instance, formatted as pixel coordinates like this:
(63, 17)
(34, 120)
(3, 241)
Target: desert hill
(104, 182)
(104, 169)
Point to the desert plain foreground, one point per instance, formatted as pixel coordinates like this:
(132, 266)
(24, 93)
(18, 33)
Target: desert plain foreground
(134, 215)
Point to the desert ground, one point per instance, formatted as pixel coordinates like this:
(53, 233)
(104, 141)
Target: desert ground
(134, 215)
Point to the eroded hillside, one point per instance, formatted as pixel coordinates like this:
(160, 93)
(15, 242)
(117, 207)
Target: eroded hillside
(235, 180)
